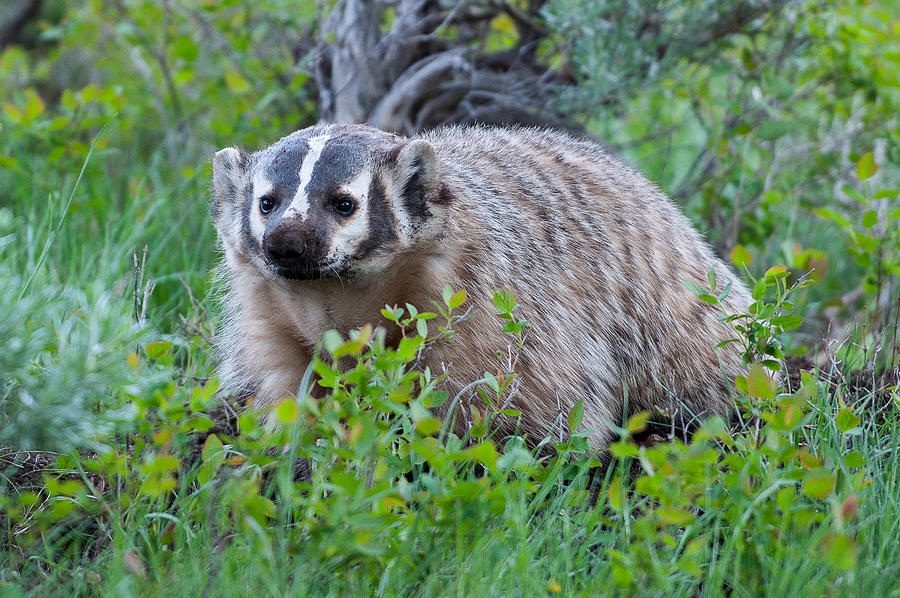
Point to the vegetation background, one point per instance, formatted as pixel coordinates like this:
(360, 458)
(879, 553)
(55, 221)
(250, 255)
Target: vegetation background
(123, 469)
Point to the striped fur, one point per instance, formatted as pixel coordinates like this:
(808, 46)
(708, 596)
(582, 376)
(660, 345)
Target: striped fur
(593, 252)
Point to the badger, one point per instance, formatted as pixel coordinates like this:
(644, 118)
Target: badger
(327, 226)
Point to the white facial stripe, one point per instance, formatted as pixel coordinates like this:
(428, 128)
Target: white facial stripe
(300, 204)
(404, 226)
(358, 188)
(354, 230)
(261, 186)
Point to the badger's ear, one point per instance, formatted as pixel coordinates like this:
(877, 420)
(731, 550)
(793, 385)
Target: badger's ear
(417, 176)
(229, 167)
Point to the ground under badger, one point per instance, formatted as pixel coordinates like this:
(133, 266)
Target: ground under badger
(324, 228)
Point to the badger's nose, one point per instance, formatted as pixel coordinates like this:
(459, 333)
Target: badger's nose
(285, 247)
(295, 250)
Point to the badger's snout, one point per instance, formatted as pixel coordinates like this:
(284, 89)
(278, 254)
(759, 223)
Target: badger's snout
(293, 252)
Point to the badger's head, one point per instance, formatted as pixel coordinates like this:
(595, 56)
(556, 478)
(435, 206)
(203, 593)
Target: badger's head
(333, 201)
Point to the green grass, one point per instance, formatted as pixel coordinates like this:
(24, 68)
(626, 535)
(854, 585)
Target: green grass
(526, 529)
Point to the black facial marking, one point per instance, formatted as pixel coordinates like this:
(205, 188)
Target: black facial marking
(249, 242)
(445, 195)
(382, 228)
(282, 168)
(341, 160)
(394, 153)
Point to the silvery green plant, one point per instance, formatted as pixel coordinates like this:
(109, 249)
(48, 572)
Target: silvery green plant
(64, 367)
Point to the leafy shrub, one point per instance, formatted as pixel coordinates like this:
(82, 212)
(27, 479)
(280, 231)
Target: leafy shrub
(871, 228)
(394, 501)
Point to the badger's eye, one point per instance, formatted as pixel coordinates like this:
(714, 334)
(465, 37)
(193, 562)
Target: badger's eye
(343, 205)
(267, 203)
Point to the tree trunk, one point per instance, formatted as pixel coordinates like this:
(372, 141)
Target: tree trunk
(428, 67)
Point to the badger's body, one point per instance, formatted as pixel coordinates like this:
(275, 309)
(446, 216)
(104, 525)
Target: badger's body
(331, 223)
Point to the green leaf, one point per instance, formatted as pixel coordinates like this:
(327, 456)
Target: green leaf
(675, 516)
(725, 292)
(637, 422)
(249, 424)
(846, 420)
(332, 339)
(428, 426)
(13, 113)
(832, 215)
(351, 347)
(739, 256)
(773, 197)
(287, 411)
(615, 494)
(436, 398)
(819, 484)
(622, 574)
(840, 551)
(694, 287)
(503, 34)
(575, 415)
(854, 459)
(408, 347)
(513, 327)
(504, 301)
(886, 193)
(492, 382)
(236, 82)
(458, 298)
(866, 166)
(158, 349)
(869, 218)
(34, 105)
(853, 194)
(623, 449)
(484, 453)
(213, 455)
(199, 423)
(788, 322)
(58, 123)
(759, 289)
(772, 130)
(185, 48)
(778, 271)
(760, 384)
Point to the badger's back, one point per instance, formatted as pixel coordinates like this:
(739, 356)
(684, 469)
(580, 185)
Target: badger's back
(596, 256)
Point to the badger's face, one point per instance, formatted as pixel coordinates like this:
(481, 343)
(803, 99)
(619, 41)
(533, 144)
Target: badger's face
(328, 202)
